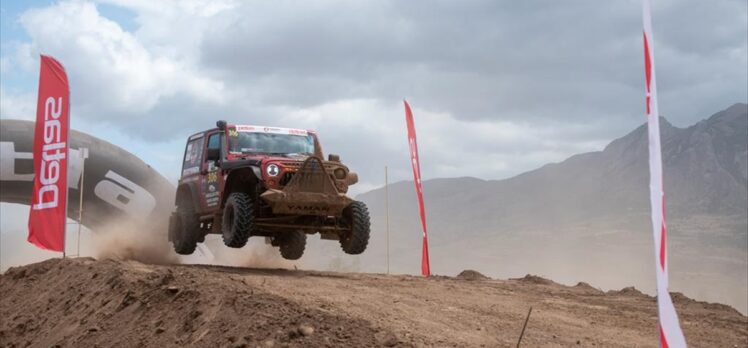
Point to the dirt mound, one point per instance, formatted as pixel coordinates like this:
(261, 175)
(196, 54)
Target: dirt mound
(684, 300)
(533, 279)
(587, 287)
(84, 302)
(81, 302)
(469, 274)
(627, 291)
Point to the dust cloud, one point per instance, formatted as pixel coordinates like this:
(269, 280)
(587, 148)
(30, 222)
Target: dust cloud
(256, 254)
(125, 241)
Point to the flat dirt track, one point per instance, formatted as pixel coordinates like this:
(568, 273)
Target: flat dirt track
(88, 303)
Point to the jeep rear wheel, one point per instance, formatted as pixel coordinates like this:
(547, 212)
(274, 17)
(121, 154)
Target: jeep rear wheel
(238, 220)
(184, 229)
(292, 244)
(355, 240)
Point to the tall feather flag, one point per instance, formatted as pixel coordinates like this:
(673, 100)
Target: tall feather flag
(425, 268)
(47, 213)
(670, 331)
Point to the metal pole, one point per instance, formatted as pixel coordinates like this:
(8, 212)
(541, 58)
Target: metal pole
(84, 154)
(387, 213)
(522, 334)
(67, 189)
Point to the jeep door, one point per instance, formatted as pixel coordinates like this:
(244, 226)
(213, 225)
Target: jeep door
(211, 181)
(193, 157)
(191, 167)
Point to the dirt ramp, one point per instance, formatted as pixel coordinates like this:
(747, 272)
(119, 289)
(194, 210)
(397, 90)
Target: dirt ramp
(87, 303)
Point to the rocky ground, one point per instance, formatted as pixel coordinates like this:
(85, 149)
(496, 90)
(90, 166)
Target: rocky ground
(89, 303)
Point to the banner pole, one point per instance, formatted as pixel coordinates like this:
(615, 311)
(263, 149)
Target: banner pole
(67, 187)
(67, 192)
(387, 213)
(83, 152)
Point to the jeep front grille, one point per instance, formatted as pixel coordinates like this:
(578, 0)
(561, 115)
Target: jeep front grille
(285, 178)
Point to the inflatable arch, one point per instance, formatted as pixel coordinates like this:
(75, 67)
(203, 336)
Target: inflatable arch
(117, 186)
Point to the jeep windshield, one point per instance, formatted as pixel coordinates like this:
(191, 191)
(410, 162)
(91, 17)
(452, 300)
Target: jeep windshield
(270, 143)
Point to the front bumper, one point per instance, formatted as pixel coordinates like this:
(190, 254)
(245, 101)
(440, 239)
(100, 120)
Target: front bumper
(311, 191)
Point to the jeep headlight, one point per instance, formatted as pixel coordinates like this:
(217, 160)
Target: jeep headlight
(339, 173)
(272, 170)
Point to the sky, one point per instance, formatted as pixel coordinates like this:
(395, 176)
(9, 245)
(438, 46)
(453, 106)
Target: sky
(497, 87)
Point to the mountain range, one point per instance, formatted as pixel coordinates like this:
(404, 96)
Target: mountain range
(587, 218)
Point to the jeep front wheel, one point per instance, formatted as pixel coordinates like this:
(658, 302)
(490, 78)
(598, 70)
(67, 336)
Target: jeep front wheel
(292, 244)
(238, 220)
(355, 240)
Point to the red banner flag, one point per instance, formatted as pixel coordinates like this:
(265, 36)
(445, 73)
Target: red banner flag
(47, 215)
(425, 269)
(671, 334)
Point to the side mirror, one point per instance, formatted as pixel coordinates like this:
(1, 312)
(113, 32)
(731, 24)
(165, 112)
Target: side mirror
(214, 154)
(333, 158)
(351, 179)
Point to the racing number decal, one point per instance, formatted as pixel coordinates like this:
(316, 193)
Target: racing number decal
(211, 189)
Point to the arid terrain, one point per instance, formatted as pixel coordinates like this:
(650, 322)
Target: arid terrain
(87, 303)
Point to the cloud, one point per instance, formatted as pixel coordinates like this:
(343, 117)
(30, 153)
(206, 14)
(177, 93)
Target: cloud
(111, 72)
(364, 129)
(497, 87)
(20, 106)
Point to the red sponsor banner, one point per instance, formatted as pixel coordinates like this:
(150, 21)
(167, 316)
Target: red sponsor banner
(47, 215)
(671, 334)
(425, 269)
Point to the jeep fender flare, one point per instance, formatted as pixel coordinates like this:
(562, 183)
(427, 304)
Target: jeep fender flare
(243, 179)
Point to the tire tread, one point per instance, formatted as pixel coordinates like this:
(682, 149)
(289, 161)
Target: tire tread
(243, 220)
(355, 243)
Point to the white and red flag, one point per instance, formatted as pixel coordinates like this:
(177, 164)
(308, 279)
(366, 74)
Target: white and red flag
(425, 269)
(670, 331)
(47, 217)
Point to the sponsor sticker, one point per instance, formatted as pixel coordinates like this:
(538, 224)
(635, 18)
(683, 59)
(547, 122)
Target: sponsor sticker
(190, 171)
(271, 130)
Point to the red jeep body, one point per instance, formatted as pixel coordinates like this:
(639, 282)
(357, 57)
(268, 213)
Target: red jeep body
(280, 195)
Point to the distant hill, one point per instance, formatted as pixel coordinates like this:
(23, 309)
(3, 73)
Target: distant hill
(590, 214)
(706, 171)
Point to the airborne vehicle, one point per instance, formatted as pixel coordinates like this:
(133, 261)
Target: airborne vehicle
(242, 181)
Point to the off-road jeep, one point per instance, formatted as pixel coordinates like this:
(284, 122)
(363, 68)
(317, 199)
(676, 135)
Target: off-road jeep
(242, 181)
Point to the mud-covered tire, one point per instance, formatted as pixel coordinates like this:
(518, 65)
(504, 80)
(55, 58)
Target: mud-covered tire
(238, 220)
(292, 244)
(184, 228)
(357, 216)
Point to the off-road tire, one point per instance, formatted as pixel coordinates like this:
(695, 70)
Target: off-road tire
(186, 229)
(238, 220)
(357, 217)
(292, 244)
